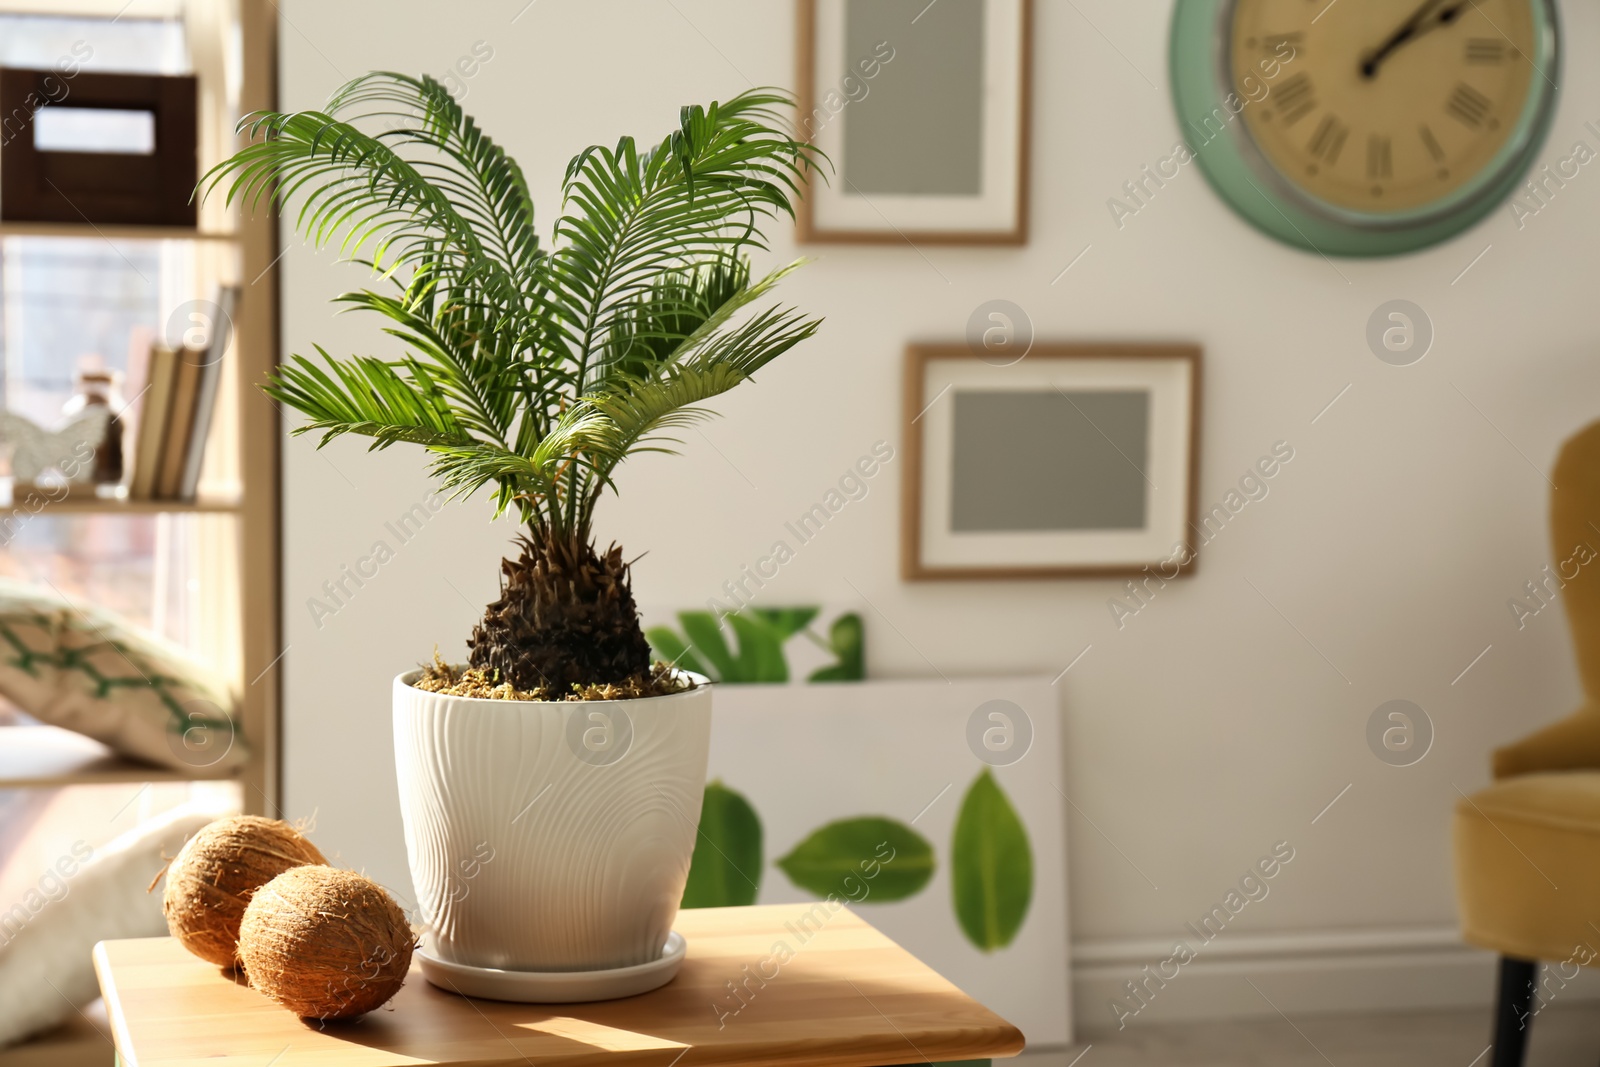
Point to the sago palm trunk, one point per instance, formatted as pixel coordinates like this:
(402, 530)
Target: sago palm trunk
(565, 616)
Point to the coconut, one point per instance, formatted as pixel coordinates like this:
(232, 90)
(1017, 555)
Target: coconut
(216, 872)
(325, 943)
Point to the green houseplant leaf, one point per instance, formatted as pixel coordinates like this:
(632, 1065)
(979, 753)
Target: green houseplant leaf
(726, 869)
(666, 644)
(847, 641)
(707, 643)
(785, 622)
(760, 650)
(991, 866)
(890, 859)
(759, 658)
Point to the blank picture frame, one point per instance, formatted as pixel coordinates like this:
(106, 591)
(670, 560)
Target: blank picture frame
(1073, 461)
(923, 110)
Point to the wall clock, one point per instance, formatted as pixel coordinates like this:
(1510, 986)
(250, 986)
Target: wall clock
(1364, 127)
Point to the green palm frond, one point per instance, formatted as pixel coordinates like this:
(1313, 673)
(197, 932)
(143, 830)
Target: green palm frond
(533, 370)
(521, 479)
(480, 386)
(651, 328)
(636, 415)
(700, 194)
(365, 396)
(487, 184)
(709, 333)
(682, 312)
(638, 410)
(354, 189)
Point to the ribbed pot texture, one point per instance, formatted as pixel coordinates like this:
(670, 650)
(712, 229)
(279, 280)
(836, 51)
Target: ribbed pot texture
(549, 836)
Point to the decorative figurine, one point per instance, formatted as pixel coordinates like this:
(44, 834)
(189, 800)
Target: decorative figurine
(68, 452)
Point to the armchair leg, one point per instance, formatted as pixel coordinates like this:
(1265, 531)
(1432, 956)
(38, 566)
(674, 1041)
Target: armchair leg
(1513, 1002)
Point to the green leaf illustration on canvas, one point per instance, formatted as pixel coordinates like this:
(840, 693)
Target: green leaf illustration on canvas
(991, 866)
(846, 639)
(726, 869)
(759, 657)
(785, 621)
(758, 649)
(666, 644)
(888, 859)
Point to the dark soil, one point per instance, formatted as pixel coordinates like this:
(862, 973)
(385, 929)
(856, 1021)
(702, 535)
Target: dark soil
(439, 677)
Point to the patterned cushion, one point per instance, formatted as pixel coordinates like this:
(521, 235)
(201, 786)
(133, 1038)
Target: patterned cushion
(87, 670)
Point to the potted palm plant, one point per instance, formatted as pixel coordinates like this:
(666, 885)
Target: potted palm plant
(551, 786)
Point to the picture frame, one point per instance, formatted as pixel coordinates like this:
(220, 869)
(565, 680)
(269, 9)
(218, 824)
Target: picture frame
(985, 491)
(932, 151)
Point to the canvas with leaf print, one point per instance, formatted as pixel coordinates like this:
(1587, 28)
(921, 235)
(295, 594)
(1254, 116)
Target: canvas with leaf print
(930, 808)
(760, 645)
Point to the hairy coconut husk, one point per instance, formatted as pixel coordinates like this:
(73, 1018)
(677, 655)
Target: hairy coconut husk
(565, 617)
(325, 943)
(215, 873)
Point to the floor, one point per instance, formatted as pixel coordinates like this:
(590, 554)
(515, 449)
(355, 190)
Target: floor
(1563, 1036)
(84, 1042)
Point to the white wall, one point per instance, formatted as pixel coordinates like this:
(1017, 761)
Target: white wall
(1214, 724)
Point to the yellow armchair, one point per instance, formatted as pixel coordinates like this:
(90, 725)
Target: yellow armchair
(1570, 744)
(1527, 847)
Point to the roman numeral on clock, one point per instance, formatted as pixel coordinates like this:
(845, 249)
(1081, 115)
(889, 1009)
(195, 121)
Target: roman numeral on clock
(1380, 156)
(1274, 42)
(1296, 99)
(1485, 50)
(1328, 139)
(1468, 105)
(1430, 142)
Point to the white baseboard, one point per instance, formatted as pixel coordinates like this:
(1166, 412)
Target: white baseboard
(1333, 971)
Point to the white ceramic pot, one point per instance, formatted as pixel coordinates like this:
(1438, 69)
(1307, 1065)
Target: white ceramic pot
(550, 836)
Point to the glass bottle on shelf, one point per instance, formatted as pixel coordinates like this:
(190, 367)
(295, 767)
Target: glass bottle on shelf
(103, 388)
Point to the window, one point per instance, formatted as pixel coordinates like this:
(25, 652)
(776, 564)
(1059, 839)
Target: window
(93, 302)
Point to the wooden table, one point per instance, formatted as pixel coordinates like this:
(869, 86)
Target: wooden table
(848, 997)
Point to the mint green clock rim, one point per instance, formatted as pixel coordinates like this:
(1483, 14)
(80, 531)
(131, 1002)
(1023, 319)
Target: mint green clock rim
(1195, 53)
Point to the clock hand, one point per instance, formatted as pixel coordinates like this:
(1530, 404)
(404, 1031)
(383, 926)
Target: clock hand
(1410, 30)
(1403, 33)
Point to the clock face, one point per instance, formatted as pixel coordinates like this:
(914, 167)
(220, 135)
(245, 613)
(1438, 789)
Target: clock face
(1385, 107)
(1364, 127)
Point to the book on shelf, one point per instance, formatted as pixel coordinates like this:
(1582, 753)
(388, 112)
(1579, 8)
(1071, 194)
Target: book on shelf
(174, 422)
(180, 423)
(157, 402)
(206, 400)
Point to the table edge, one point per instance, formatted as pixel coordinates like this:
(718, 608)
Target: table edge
(1003, 1040)
(121, 1040)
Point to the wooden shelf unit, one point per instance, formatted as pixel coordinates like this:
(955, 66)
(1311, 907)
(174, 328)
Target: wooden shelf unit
(88, 505)
(261, 434)
(44, 757)
(111, 232)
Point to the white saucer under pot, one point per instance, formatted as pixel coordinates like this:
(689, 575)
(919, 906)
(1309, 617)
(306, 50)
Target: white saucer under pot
(555, 987)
